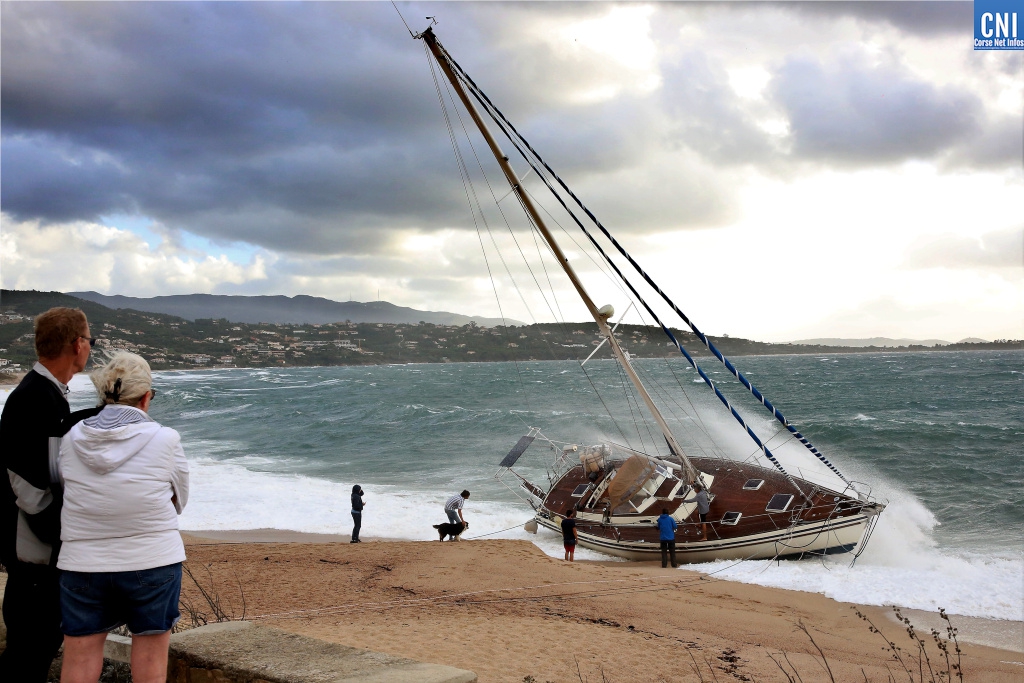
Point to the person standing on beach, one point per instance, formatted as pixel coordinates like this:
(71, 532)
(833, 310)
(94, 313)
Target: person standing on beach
(703, 508)
(34, 418)
(569, 535)
(667, 536)
(453, 508)
(125, 483)
(357, 512)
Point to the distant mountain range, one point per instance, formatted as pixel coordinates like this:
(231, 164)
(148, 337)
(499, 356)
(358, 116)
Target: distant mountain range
(885, 341)
(283, 309)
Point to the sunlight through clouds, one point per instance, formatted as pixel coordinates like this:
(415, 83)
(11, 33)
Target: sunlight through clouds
(621, 36)
(83, 256)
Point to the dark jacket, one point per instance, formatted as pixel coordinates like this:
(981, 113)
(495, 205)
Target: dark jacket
(35, 412)
(357, 499)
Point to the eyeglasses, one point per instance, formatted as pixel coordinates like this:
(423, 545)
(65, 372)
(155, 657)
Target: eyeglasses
(152, 393)
(92, 340)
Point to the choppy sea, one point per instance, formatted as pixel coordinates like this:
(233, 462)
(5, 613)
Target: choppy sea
(938, 435)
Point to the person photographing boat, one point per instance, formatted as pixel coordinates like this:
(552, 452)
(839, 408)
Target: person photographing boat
(667, 537)
(453, 508)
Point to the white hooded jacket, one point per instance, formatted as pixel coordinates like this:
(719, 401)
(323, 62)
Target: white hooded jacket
(125, 483)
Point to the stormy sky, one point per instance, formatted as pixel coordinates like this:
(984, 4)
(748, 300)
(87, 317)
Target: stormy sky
(784, 170)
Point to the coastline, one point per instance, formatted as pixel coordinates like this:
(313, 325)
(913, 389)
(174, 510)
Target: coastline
(507, 560)
(10, 380)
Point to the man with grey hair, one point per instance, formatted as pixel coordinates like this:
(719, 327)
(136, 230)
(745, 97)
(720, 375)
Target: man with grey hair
(35, 417)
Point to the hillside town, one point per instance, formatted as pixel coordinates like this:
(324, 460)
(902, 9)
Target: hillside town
(173, 343)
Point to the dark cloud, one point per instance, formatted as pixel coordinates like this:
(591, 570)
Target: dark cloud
(296, 127)
(314, 128)
(923, 18)
(707, 114)
(999, 144)
(854, 111)
(50, 178)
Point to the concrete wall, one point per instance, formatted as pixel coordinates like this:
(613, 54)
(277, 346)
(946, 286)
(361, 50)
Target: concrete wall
(242, 652)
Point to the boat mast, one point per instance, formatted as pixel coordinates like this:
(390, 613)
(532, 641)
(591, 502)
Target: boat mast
(600, 315)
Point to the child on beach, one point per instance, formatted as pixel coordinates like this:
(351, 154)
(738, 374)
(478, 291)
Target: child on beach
(569, 535)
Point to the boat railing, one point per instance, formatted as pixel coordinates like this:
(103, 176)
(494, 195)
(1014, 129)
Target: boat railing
(864, 495)
(561, 464)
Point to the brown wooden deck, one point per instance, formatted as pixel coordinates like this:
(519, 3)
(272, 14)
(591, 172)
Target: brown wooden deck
(729, 496)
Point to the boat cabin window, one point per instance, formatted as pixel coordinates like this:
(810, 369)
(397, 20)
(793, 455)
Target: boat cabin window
(779, 502)
(581, 489)
(731, 518)
(753, 484)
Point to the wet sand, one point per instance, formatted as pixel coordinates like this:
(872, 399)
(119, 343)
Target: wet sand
(507, 611)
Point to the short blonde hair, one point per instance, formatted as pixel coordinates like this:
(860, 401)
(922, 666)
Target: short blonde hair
(124, 379)
(56, 329)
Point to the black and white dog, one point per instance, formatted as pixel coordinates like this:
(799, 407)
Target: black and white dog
(451, 530)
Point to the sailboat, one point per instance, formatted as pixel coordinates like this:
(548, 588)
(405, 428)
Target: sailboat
(757, 511)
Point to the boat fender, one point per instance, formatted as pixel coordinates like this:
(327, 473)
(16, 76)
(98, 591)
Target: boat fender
(531, 526)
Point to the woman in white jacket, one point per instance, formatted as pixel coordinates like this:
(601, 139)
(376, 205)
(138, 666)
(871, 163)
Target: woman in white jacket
(125, 483)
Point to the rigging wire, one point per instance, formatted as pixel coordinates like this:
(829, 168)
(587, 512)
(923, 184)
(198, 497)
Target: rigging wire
(469, 188)
(506, 126)
(629, 395)
(623, 382)
(403, 19)
(603, 267)
(494, 113)
(669, 399)
(512, 278)
(696, 415)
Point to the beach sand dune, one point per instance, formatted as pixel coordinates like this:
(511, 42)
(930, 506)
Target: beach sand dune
(507, 611)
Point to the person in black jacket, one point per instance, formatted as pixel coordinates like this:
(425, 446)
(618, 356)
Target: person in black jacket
(357, 512)
(35, 417)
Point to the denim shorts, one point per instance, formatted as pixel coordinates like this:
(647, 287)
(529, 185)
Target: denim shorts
(96, 602)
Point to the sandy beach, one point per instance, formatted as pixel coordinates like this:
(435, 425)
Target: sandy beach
(509, 612)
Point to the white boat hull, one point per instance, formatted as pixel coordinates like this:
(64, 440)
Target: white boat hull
(824, 537)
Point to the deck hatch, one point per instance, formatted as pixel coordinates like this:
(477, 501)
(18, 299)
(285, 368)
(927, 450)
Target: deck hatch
(753, 484)
(581, 489)
(779, 502)
(731, 518)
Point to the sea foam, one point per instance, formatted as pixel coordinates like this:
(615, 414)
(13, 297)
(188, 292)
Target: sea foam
(228, 496)
(902, 565)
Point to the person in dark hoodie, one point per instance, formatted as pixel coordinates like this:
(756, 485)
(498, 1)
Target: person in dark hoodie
(35, 416)
(357, 512)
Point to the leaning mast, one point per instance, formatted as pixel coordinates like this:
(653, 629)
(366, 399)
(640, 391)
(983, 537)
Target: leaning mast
(600, 315)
